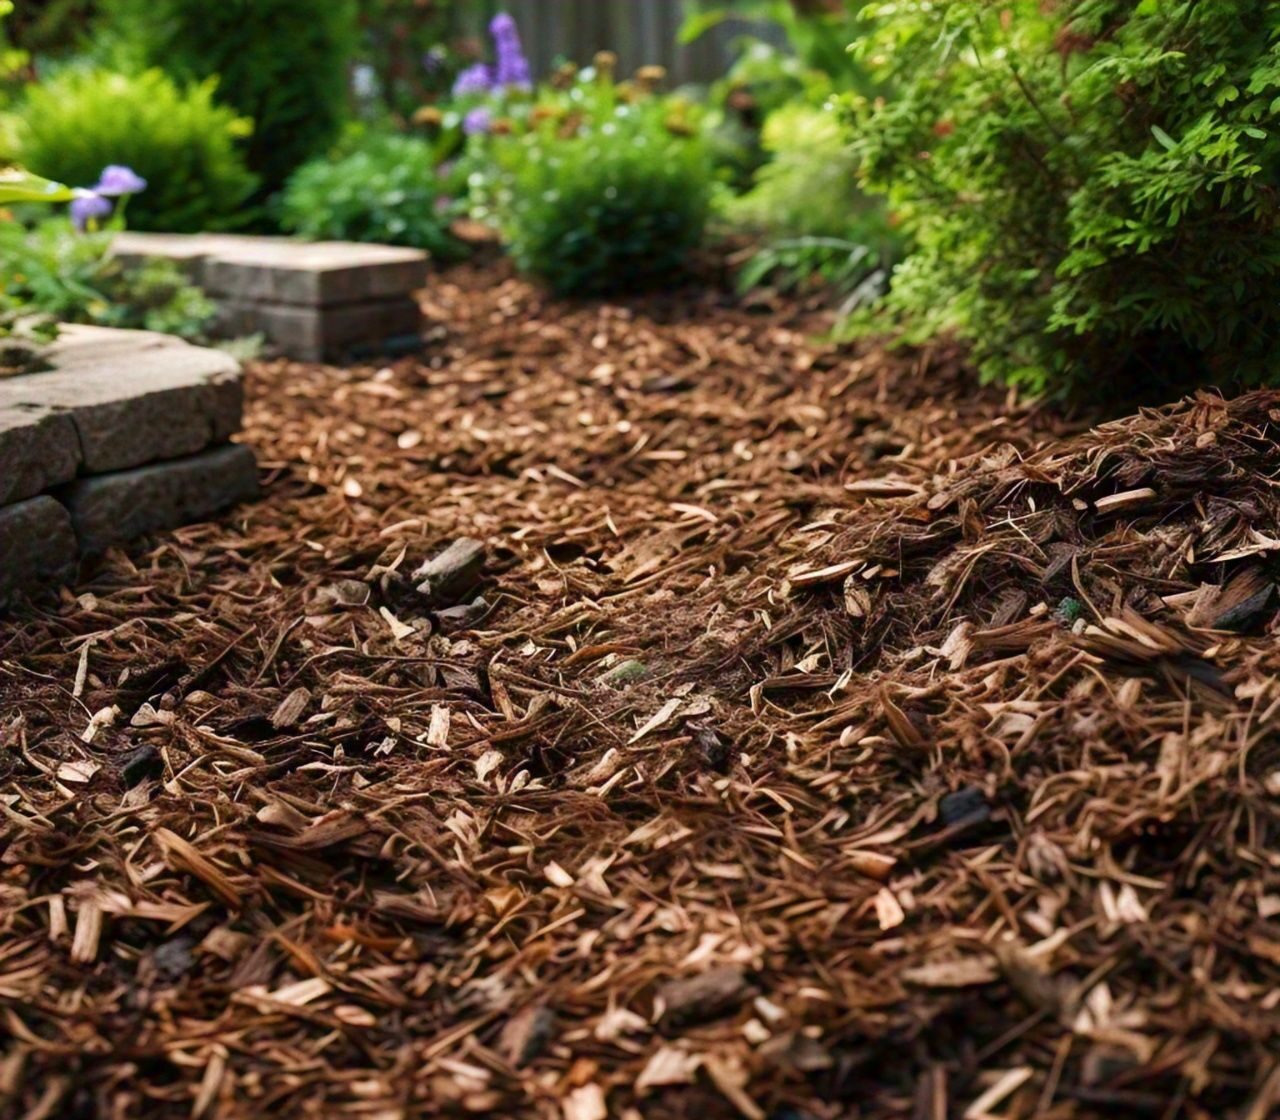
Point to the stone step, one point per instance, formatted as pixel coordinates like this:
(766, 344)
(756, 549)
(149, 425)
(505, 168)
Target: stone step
(124, 434)
(317, 334)
(315, 300)
(115, 508)
(38, 547)
(113, 399)
(314, 274)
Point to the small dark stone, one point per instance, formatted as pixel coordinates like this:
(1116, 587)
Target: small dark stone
(446, 578)
(174, 959)
(143, 763)
(968, 805)
(714, 750)
(462, 617)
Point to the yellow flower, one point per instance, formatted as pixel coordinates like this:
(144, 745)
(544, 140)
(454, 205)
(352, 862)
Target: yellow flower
(651, 77)
(428, 116)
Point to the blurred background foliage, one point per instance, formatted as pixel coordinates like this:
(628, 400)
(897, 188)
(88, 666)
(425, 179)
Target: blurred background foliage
(1075, 189)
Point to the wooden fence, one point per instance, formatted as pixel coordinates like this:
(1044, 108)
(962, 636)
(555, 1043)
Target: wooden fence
(639, 31)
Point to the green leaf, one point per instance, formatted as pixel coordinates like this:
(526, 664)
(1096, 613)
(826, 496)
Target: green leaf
(1164, 138)
(697, 24)
(17, 185)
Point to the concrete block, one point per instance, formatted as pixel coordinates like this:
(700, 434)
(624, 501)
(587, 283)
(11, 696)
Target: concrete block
(132, 396)
(314, 274)
(38, 547)
(188, 251)
(319, 333)
(39, 448)
(115, 508)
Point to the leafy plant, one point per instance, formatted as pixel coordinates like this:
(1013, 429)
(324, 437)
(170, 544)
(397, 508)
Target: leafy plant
(391, 189)
(1091, 186)
(768, 78)
(22, 332)
(791, 263)
(818, 33)
(19, 186)
(806, 207)
(180, 141)
(281, 63)
(600, 187)
(54, 272)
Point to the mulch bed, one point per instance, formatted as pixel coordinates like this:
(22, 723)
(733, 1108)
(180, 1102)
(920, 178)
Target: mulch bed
(823, 735)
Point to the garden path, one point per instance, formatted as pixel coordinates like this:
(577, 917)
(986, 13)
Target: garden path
(773, 775)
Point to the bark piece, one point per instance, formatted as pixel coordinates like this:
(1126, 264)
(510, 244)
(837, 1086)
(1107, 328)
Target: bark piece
(527, 1035)
(701, 998)
(1235, 605)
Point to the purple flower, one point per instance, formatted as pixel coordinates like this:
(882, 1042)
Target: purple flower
(88, 206)
(116, 180)
(477, 121)
(503, 26)
(512, 67)
(474, 79)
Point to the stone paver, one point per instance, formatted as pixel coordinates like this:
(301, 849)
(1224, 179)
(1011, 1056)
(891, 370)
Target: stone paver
(111, 509)
(318, 274)
(311, 300)
(132, 397)
(187, 250)
(38, 547)
(39, 448)
(317, 334)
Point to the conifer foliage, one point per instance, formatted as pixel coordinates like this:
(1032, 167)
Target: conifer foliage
(1091, 185)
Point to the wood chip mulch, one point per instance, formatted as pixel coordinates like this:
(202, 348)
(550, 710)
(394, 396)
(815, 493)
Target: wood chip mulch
(650, 711)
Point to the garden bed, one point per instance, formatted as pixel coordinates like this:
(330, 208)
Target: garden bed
(824, 735)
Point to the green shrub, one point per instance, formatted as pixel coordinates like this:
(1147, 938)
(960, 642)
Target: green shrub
(390, 189)
(1091, 186)
(282, 63)
(181, 142)
(604, 190)
(72, 277)
(814, 220)
(802, 61)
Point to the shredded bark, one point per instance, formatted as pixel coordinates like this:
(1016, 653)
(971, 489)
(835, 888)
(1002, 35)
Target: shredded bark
(810, 732)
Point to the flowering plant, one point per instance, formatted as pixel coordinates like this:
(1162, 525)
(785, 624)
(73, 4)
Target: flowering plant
(596, 185)
(510, 69)
(93, 203)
